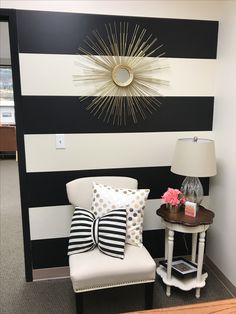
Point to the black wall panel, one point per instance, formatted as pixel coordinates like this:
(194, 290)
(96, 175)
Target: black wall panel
(49, 188)
(53, 252)
(63, 33)
(55, 114)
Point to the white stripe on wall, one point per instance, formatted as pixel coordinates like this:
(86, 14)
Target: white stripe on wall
(102, 151)
(50, 222)
(54, 221)
(52, 74)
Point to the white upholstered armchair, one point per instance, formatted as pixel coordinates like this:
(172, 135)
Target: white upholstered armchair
(93, 270)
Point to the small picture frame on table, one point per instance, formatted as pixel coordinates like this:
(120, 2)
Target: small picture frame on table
(181, 267)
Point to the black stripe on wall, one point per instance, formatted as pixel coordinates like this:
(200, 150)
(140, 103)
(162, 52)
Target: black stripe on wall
(55, 114)
(63, 33)
(49, 188)
(53, 252)
(49, 253)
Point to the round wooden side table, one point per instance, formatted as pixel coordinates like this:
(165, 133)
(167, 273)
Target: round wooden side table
(178, 221)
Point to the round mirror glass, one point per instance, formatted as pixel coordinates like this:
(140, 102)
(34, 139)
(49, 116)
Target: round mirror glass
(122, 75)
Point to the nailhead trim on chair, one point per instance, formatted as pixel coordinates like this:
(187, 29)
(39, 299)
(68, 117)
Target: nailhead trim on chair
(113, 286)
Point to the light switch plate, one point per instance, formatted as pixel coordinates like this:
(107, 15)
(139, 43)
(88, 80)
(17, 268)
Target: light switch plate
(60, 141)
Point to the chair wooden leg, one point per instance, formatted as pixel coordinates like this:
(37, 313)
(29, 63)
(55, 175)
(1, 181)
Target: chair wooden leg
(149, 295)
(79, 303)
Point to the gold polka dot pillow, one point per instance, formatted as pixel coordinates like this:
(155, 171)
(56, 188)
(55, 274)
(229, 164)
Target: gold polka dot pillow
(107, 198)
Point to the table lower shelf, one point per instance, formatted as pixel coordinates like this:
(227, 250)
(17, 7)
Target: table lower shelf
(181, 283)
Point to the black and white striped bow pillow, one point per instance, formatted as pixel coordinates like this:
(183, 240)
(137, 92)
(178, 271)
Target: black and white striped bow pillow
(107, 232)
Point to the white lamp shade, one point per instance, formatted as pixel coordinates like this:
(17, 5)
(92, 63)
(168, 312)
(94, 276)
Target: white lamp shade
(194, 158)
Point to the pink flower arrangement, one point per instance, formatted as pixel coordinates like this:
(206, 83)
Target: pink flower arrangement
(173, 197)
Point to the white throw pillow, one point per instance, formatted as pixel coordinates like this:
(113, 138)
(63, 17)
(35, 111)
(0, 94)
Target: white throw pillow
(107, 198)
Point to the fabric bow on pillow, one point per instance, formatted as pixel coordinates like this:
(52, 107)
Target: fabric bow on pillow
(107, 232)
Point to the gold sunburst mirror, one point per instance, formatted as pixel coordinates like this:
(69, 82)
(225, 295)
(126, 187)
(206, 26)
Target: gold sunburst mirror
(124, 72)
(122, 75)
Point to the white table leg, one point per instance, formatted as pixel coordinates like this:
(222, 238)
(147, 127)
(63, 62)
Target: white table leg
(166, 242)
(168, 291)
(201, 246)
(169, 259)
(194, 247)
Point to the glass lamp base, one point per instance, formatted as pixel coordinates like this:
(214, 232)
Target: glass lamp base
(192, 189)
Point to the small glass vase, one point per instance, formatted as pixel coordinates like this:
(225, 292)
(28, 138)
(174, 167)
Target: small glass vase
(173, 208)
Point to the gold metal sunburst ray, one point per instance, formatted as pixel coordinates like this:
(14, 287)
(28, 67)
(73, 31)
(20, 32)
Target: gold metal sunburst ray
(121, 66)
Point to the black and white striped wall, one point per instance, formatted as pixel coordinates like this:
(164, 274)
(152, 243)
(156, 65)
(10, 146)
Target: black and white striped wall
(49, 104)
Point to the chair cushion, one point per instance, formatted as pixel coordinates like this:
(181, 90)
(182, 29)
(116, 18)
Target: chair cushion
(93, 270)
(107, 232)
(106, 198)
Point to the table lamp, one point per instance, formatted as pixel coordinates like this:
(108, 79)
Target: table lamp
(194, 158)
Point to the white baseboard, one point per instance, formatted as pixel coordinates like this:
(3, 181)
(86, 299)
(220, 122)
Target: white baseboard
(51, 273)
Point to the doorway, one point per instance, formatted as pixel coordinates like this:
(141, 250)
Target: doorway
(7, 106)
